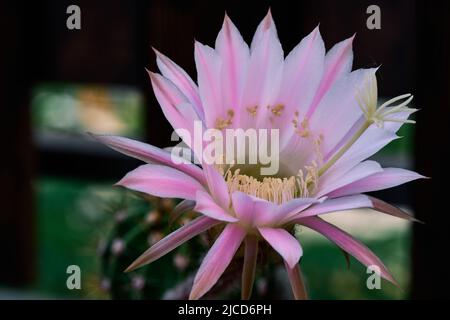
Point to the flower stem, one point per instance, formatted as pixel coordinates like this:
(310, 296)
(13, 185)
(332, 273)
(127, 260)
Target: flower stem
(248, 272)
(344, 149)
(297, 284)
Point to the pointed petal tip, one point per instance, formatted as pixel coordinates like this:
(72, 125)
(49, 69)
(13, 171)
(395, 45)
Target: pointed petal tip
(268, 19)
(226, 19)
(384, 207)
(197, 44)
(155, 78)
(160, 55)
(134, 265)
(316, 32)
(129, 269)
(193, 296)
(391, 279)
(151, 73)
(156, 51)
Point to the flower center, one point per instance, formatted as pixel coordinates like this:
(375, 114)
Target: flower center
(275, 189)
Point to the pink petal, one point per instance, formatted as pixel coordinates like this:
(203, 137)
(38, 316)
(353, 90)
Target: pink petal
(381, 206)
(373, 139)
(173, 240)
(298, 152)
(235, 55)
(284, 243)
(150, 154)
(209, 66)
(296, 280)
(206, 205)
(340, 100)
(332, 205)
(161, 181)
(243, 206)
(360, 171)
(347, 243)
(181, 208)
(175, 106)
(257, 212)
(293, 207)
(264, 73)
(388, 178)
(249, 268)
(217, 186)
(181, 80)
(363, 148)
(217, 260)
(303, 69)
(338, 62)
(350, 133)
(253, 211)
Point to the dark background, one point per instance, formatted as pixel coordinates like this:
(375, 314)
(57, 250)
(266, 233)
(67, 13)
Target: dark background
(114, 47)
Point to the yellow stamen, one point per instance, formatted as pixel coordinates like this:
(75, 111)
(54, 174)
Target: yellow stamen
(224, 123)
(252, 110)
(277, 110)
(277, 190)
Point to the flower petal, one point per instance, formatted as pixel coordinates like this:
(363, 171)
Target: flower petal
(209, 65)
(302, 72)
(217, 260)
(150, 154)
(183, 207)
(296, 280)
(337, 204)
(294, 206)
(217, 186)
(256, 212)
(264, 74)
(284, 243)
(348, 244)
(338, 62)
(249, 268)
(381, 206)
(363, 148)
(243, 206)
(234, 54)
(372, 140)
(169, 98)
(181, 80)
(161, 181)
(340, 100)
(173, 240)
(206, 205)
(364, 169)
(388, 178)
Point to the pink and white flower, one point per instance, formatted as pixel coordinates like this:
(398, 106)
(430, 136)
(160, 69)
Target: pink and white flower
(329, 123)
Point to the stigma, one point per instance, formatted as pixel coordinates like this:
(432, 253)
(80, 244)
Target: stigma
(367, 98)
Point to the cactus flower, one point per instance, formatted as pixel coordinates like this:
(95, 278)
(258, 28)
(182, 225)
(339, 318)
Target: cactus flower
(329, 124)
